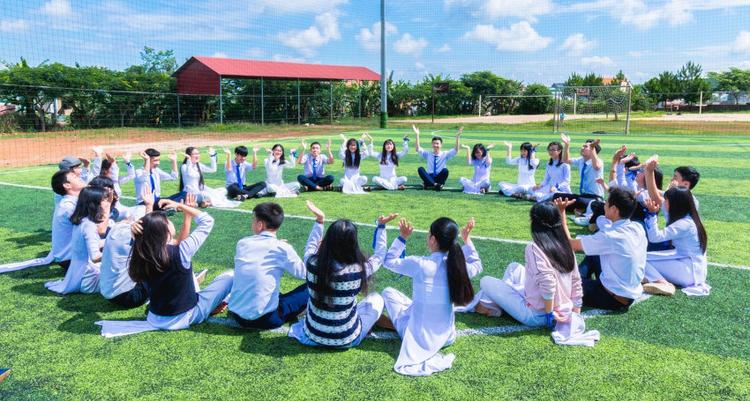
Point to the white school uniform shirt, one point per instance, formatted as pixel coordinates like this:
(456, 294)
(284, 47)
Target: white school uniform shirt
(191, 177)
(525, 175)
(83, 274)
(188, 248)
(388, 170)
(621, 247)
(320, 164)
(481, 169)
(113, 275)
(143, 177)
(259, 263)
(557, 176)
(436, 163)
(231, 175)
(62, 228)
(589, 175)
(275, 171)
(114, 173)
(431, 319)
(684, 236)
(352, 171)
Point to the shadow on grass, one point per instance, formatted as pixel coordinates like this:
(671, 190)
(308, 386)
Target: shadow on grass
(86, 303)
(81, 323)
(37, 237)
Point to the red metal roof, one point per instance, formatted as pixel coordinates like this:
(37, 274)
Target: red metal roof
(235, 68)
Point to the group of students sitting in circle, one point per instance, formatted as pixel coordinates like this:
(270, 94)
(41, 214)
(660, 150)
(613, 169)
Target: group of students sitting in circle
(135, 255)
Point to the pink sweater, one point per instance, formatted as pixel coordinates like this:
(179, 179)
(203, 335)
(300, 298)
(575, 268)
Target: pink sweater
(545, 282)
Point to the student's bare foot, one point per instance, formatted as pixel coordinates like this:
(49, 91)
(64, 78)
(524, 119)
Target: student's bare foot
(201, 277)
(219, 308)
(659, 288)
(483, 310)
(318, 188)
(384, 322)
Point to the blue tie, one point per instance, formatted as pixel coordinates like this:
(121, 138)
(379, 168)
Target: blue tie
(434, 165)
(314, 173)
(153, 184)
(583, 177)
(239, 176)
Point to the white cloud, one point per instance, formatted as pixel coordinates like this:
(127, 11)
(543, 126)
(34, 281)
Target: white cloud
(299, 6)
(445, 48)
(325, 29)
(220, 55)
(742, 43)
(419, 66)
(409, 45)
(516, 8)
(644, 15)
(284, 57)
(58, 8)
(520, 37)
(597, 61)
(577, 44)
(370, 39)
(13, 25)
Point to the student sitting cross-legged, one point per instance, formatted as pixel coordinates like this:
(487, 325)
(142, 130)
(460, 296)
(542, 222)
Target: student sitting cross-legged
(426, 323)
(436, 173)
(337, 271)
(151, 176)
(616, 253)
(236, 174)
(547, 288)
(259, 263)
(591, 169)
(315, 178)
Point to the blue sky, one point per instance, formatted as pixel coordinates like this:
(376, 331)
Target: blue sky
(529, 40)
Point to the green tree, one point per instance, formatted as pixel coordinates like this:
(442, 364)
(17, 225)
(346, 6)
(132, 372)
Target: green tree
(733, 81)
(692, 82)
(162, 61)
(538, 100)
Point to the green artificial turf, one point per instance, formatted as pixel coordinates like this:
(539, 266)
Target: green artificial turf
(663, 349)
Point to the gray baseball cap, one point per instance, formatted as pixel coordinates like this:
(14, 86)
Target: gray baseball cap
(69, 162)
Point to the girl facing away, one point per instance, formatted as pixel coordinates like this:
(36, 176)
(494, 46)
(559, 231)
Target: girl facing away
(685, 265)
(547, 287)
(275, 164)
(337, 271)
(426, 322)
(478, 157)
(388, 160)
(527, 164)
(556, 176)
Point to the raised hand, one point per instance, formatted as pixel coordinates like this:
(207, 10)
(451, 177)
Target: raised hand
(652, 206)
(320, 217)
(126, 157)
(415, 129)
(562, 203)
(466, 231)
(328, 144)
(173, 156)
(227, 151)
(508, 145)
(343, 137)
(144, 155)
(147, 196)
(565, 139)
(85, 161)
(405, 229)
(382, 220)
(617, 157)
(490, 146)
(255, 149)
(304, 145)
(168, 204)
(652, 163)
(465, 147)
(628, 158)
(98, 150)
(460, 131)
(211, 151)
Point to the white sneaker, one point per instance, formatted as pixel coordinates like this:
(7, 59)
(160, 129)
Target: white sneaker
(659, 289)
(582, 221)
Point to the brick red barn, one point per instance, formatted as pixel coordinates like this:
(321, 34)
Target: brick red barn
(203, 75)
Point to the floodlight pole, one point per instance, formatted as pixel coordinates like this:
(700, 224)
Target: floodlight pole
(627, 118)
(221, 104)
(383, 80)
(262, 104)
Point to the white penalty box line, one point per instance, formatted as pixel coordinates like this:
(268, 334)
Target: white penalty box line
(371, 225)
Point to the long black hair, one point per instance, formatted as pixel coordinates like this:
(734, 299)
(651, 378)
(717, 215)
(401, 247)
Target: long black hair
(339, 247)
(548, 234)
(106, 182)
(149, 252)
(348, 162)
(529, 152)
(445, 232)
(281, 159)
(89, 205)
(559, 156)
(188, 151)
(681, 204)
(479, 147)
(384, 154)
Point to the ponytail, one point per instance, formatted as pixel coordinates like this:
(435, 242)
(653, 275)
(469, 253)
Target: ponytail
(445, 232)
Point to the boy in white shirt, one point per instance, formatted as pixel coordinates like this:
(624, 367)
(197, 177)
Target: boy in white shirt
(616, 254)
(236, 174)
(67, 184)
(151, 175)
(314, 164)
(591, 169)
(259, 263)
(436, 173)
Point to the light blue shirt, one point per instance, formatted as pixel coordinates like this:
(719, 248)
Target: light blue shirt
(588, 176)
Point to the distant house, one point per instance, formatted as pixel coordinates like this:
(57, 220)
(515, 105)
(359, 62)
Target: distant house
(7, 109)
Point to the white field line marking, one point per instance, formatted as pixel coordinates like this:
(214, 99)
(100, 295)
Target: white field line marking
(390, 335)
(477, 237)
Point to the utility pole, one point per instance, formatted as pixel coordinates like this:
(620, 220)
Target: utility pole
(383, 79)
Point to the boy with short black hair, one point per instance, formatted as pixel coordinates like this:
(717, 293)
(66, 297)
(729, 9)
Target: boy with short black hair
(314, 164)
(236, 174)
(68, 185)
(259, 263)
(151, 175)
(436, 173)
(591, 169)
(616, 254)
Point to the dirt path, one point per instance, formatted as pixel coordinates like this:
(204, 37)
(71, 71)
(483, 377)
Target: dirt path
(20, 151)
